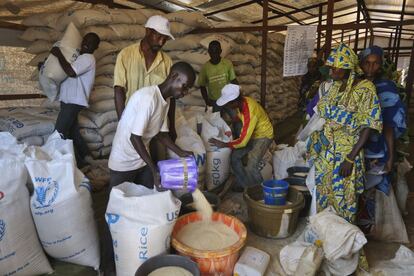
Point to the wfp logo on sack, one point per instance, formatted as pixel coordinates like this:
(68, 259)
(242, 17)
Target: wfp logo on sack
(2, 229)
(111, 218)
(46, 192)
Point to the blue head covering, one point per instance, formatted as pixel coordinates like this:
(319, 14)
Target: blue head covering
(373, 50)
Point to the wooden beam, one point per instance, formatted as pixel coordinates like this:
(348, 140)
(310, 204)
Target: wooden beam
(410, 77)
(389, 44)
(296, 11)
(400, 32)
(274, 10)
(357, 31)
(279, 28)
(109, 3)
(366, 38)
(264, 54)
(335, 16)
(289, 7)
(13, 26)
(13, 97)
(390, 12)
(231, 8)
(329, 23)
(318, 48)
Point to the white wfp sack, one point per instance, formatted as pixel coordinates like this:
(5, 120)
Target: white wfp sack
(310, 184)
(401, 265)
(282, 160)
(20, 250)
(218, 160)
(401, 190)
(340, 238)
(61, 204)
(389, 224)
(265, 166)
(141, 221)
(51, 73)
(290, 256)
(315, 123)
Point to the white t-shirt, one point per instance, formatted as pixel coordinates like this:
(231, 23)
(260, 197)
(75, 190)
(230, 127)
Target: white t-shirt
(77, 90)
(146, 114)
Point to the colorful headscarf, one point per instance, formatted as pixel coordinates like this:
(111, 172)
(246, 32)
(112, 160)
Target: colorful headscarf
(345, 58)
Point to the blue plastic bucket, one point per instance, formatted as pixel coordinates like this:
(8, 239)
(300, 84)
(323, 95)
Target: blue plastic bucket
(275, 192)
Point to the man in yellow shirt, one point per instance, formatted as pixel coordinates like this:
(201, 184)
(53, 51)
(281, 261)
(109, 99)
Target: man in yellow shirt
(144, 64)
(255, 137)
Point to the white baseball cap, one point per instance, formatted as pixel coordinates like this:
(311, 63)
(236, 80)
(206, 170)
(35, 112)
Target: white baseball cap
(160, 24)
(228, 93)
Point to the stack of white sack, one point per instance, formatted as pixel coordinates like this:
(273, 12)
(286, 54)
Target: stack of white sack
(139, 228)
(61, 203)
(218, 159)
(119, 28)
(20, 250)
(341, 244)
(31, 125)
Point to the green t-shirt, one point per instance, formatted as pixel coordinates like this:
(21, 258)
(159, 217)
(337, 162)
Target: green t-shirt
(215, 77)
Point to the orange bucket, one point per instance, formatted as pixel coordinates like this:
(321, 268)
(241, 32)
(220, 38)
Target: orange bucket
(212, 262)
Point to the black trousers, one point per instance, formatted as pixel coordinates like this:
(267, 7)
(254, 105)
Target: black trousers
(67, 126)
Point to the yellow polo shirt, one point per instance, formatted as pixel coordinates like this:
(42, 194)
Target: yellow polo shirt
(132, 74)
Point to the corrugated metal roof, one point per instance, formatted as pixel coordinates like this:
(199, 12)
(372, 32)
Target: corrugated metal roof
(280, 12)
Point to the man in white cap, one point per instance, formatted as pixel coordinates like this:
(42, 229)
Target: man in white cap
(143, 64)
(254, 140)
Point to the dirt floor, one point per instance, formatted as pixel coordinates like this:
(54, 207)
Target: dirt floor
(375, 251)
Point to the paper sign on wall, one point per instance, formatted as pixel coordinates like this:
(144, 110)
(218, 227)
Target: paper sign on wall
(299, 45)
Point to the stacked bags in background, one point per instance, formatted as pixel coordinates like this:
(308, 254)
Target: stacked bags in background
(119, 28)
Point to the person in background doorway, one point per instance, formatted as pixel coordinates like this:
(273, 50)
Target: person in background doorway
(380, 147)
(310, 82)
(255, 138)
(144, 118)
(214, 75)
(74, 93)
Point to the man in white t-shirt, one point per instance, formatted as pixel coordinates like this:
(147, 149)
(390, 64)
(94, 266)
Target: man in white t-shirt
(146, 117)
(75, 91)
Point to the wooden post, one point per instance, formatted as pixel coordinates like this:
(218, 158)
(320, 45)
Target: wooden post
(394, 45)
(357, 30)
(400, 33)
(318, 46)
(329, 23)
(366, 38)
(349, 40)
(389, 46)
(264, 54)
(342, 36)
(410, 77)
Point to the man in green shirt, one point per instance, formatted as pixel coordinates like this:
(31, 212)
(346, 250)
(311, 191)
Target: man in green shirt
(214, 75)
